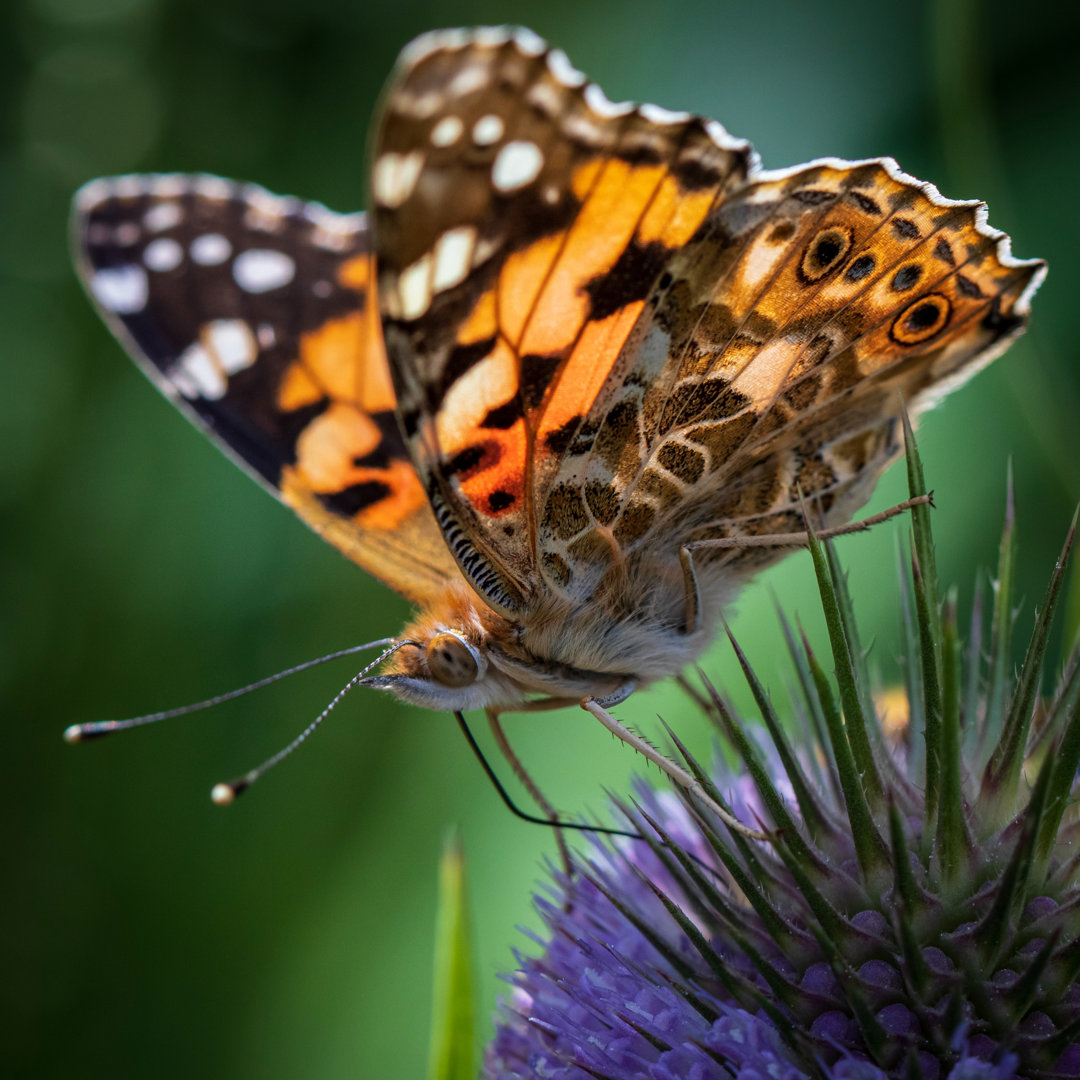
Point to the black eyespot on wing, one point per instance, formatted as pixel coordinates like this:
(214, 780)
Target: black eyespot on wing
(826, 251)
(814, 196)
(860, 267)
(944, 252)
(864, 202)
(966, 287)
(905, 229)
(906, 277)
(921, 320)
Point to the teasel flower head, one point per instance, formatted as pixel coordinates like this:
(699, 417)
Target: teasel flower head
(915, 912)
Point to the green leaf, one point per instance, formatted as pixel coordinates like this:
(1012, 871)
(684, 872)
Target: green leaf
(453, 1023)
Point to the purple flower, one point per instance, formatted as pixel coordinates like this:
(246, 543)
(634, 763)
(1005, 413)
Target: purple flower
(914, 913)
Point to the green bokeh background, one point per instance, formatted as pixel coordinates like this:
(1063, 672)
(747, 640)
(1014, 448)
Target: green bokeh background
(146, 933)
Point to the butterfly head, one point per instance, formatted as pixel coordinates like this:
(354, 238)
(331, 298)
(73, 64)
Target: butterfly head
(444, 661)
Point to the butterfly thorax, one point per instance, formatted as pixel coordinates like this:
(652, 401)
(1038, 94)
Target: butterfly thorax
(465, 655)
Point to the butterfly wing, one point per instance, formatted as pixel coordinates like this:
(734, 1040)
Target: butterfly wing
(812, 303)
(612, 334)
(255, 315)
(521, 223)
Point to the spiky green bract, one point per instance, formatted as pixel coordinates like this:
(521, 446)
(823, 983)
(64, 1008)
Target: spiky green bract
(915, 913)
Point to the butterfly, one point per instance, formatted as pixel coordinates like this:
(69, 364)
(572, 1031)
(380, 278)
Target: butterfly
(575, 351)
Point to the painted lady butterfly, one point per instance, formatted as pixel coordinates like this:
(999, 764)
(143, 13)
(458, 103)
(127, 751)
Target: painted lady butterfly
(572, 345)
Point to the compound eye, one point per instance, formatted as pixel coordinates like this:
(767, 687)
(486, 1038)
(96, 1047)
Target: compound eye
(450, 661)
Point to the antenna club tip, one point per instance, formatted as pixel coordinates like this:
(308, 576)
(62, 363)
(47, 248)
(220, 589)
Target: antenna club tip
(222, 794)
(73, 734)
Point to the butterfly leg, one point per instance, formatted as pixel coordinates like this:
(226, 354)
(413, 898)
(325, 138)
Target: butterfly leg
(493, 714)
(666, 765)
(690, 585)
(801, 539)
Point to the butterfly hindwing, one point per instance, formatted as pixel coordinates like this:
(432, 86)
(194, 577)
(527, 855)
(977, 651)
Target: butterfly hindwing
(812, 304)
(255, 314)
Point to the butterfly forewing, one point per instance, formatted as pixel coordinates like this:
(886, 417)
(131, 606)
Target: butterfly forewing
(522, 221)
(255, 314)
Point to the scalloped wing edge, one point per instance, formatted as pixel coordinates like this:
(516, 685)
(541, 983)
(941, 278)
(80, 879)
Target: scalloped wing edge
(531, 44)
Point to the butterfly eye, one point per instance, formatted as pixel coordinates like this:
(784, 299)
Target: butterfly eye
(450, 661)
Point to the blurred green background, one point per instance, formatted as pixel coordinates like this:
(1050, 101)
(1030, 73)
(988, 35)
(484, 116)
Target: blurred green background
(147, 933)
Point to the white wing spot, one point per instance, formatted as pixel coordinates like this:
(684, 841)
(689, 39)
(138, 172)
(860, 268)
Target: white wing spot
(447, 131)
(163, 254)
(121, 289)
(414, 288)
(659, 115)
(232, 344)
(267, 335)
(260, 269)
(322, 289)
(210, 249)
(453, 257)
(195, 370)
(487, 130)
(468, 80)
(518, 163)
(394, 177)
(163, 216)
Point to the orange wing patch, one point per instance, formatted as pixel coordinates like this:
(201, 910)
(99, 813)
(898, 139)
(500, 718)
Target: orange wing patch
(257, 316)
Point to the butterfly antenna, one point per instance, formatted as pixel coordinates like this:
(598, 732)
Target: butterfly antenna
(77, 733)
(224, 793)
